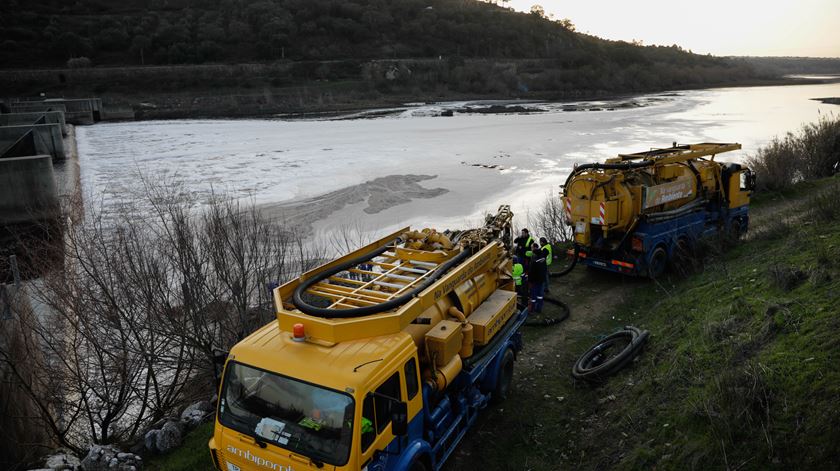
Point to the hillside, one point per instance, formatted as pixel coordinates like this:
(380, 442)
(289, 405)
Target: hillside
(347, 53)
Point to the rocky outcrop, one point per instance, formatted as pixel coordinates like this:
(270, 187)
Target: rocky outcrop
(165, 439)
(110, 458)
(196, 413)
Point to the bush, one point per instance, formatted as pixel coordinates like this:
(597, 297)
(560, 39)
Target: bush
(825, 206)
(79, 63)
(775, 165)
(813, 152)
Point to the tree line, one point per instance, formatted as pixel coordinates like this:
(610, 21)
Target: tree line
(49, 33)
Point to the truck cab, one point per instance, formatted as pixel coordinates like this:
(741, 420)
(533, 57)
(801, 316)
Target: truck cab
(289, 405)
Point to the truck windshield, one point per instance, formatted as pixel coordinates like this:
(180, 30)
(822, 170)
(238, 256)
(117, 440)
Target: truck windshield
(298, 416)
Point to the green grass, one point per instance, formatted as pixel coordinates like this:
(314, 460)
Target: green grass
(193, 455)
(740, 370)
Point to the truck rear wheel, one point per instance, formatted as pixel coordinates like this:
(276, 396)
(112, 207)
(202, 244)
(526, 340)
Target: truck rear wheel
(417, 465)
(682, 261)
(658, 263)
(502, 389)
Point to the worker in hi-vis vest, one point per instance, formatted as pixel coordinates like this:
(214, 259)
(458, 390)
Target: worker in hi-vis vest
(519, 278)
(549, 257)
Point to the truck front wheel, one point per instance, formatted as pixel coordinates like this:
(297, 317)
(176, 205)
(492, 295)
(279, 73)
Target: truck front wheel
(502, 389)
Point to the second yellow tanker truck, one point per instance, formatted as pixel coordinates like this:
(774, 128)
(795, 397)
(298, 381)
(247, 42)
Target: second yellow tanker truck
(637, 213)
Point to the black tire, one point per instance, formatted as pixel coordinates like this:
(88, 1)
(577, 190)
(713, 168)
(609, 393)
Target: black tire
(503, 382)
(682, 261)
(658, 263)
(417, 465)
(734, 235)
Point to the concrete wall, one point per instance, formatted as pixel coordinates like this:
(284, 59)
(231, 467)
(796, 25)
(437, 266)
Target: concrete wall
(80, 110)
(17, 119)
(50, 134)
(35, 106)
(28, 191)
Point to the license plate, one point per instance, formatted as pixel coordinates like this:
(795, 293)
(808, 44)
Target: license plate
(233, 467)
(580, 227)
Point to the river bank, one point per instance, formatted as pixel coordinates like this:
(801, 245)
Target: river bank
(295, 89)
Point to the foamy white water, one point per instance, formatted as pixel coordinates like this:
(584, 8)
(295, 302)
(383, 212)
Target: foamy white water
(277, 160)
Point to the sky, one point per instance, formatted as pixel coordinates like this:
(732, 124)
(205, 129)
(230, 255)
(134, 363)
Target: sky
(719, 27)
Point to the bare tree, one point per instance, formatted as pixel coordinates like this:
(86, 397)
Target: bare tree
(549, 220)
(138, 306)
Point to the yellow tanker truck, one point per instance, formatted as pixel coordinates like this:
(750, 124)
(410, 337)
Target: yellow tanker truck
(635, 213)
(379, 360)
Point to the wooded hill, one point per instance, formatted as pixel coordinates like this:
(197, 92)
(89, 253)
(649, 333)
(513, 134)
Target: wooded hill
(50, 33)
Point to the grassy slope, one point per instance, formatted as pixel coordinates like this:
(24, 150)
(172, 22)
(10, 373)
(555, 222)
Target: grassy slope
(739, 372)
(193, 455)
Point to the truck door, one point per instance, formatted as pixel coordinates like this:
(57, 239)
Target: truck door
(376, 417)
(376, 433)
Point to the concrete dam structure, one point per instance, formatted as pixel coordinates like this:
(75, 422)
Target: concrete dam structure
(20, 119)
(76, 110)
(18, 141)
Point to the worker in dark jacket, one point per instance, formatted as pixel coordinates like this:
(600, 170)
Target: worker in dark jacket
(549, 257)
(522, 245)
(536, 276)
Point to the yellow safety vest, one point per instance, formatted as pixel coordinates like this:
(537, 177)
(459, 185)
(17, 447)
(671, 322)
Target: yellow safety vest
(518, 270)
(550, 256)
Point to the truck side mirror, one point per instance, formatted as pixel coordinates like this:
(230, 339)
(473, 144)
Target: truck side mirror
(399, 419)
(219, 359)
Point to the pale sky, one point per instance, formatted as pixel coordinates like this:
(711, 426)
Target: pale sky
(720, 27)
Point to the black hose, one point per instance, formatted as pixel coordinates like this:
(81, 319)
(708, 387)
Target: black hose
(568, 269)
(367, 310)
(549, 321)
(594, 366)
(621, 166)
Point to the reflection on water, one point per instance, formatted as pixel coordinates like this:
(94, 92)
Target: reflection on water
(483, 159)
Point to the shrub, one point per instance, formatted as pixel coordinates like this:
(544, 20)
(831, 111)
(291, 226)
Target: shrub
(825, 206)
(79, 63)
(812, 152)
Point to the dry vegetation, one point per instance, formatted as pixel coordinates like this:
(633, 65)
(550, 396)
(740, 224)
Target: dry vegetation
(124, 331)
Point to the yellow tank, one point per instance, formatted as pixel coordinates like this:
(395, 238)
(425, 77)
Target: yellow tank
(611, 197)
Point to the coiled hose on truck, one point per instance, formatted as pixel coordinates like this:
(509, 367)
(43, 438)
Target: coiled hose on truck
(596, 364)
(307, 308)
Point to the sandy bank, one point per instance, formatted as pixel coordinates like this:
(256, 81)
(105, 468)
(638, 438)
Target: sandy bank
(379, 194)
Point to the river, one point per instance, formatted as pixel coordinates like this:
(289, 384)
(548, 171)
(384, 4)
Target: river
(471, 162)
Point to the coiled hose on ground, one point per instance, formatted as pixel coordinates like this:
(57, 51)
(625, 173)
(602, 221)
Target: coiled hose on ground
(597, 364)
(549, 321)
